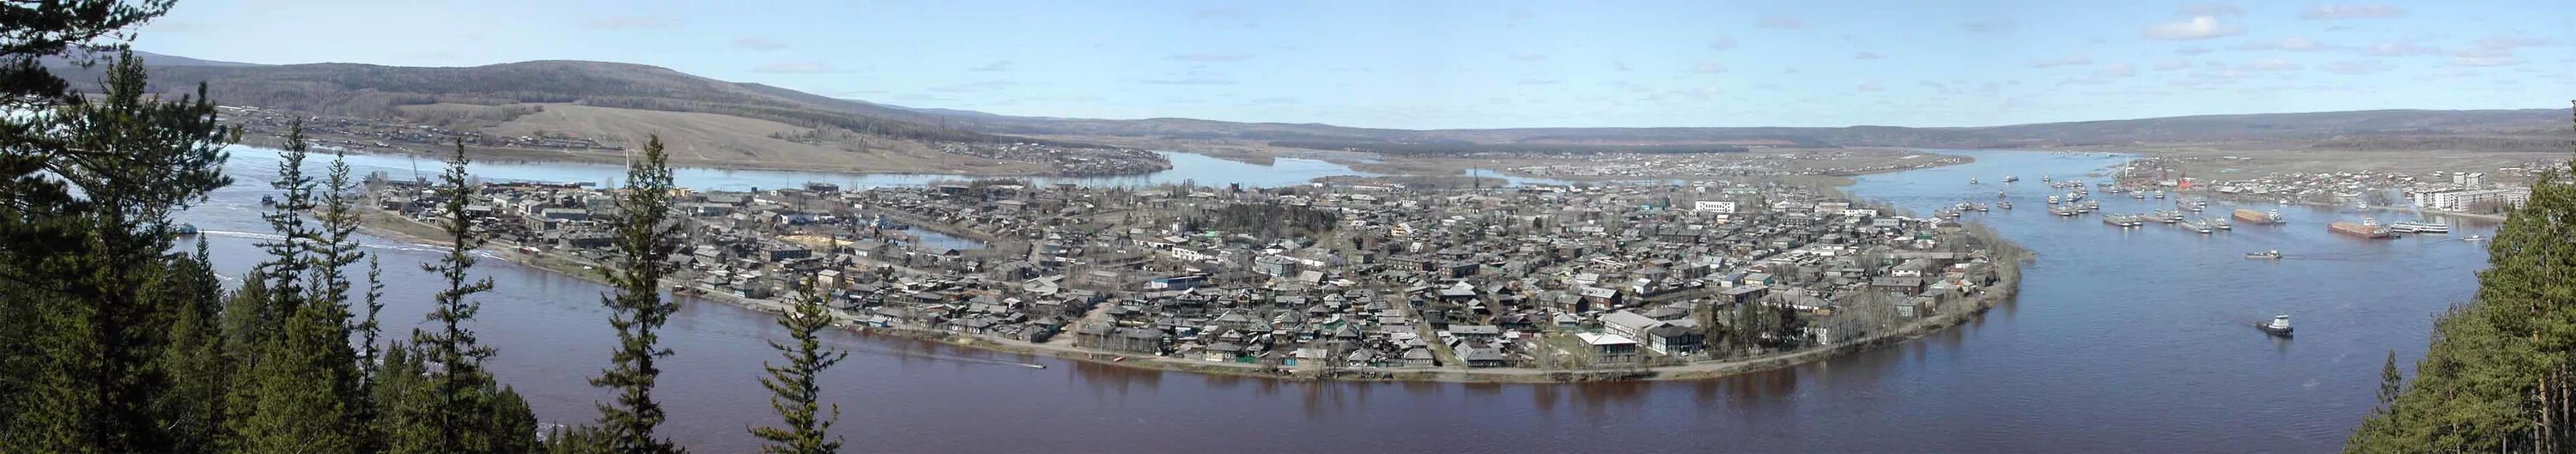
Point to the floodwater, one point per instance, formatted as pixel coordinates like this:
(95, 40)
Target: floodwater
(2122, 340)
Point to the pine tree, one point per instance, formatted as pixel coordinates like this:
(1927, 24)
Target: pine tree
(795, 391)
(2391, 382)
(456, 409)
(302, 383)
(2498, 374)
(90, 186)
(644, 245)
(192, 409)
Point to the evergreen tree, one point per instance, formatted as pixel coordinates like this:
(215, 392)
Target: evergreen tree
(90, 185)
(2498, 374)
(303, 377)
(456, 409)
(191, 410)
(644, 244)
(794, 388)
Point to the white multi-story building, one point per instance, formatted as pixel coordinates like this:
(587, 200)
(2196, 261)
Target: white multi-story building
(2464, 199)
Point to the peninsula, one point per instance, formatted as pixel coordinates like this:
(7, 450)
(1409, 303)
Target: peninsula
(1357, 280)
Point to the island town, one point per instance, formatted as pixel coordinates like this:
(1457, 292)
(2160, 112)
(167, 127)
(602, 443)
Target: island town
(1368, 280)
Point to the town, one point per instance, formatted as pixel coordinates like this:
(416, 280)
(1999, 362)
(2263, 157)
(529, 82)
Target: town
(1357, 281)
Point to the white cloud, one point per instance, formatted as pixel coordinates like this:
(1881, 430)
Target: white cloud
(2355, 67)
(2270, 64)
(1866, 56)
(2283, 45)
(975, 87)
(2191, 50)
(2212, 9)
(1190, 81)
(2117, 70)
(2173, 64)
(1989, 26)
(2197, 27)
(757, 43)
(1529, 57)
(797, 67)
(1205, 57)
(1537, 81)
(1722, 43)
(1780, 22)
(1708, 67)
(2397, 49)
(2510, 42)
(1870, 87)
(1225, 12)
(998, 66)
(630, 23)
(1621, 66)
(2070, 60)
(2351, 11)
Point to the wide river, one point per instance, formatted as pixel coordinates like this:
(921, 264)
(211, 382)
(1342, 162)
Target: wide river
(2136, 340)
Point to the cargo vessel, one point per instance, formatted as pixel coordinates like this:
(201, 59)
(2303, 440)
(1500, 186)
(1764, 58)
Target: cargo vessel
(2249, 215)
(2280, 326)
(2367, 228)
(2419, 227)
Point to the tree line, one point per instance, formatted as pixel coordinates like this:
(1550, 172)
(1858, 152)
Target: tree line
(119, 343)
(2500, 373)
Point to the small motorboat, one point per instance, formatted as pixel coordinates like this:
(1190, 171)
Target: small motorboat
(268, 200)
(2279, 326)
(184, 230)
(2274, 254)
(2474, 238)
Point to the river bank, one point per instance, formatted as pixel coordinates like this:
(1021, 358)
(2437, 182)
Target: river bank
(2006, 262)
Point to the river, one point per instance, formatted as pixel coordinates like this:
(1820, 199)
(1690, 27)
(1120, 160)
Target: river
(2135, 340)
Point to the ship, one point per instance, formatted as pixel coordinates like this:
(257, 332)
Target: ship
(2367, 228)
(2052, 200)
(1999, 194)
(2160, 193)
(1972, 181)
(2274, 254)
(2166, 216)
(2010, 178)
(2195, 226)
(184, 230)
(2249, 215)
(2474, 238)
(2061, 211)
(2116, 220)
(2279, 326)
(2003, 205)
(2419, 227)
(2222, 224)
(2043, 178)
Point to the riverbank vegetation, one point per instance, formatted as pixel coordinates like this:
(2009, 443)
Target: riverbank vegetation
(116, 344)
(2500, 375)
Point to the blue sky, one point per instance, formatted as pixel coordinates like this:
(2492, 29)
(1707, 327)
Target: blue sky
(1481, 64)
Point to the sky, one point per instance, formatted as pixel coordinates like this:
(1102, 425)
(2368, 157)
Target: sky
(1485, 64)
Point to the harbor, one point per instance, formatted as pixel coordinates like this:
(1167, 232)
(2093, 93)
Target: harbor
(2060, 360)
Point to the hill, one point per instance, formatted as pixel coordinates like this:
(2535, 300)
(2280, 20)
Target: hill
(584, 110)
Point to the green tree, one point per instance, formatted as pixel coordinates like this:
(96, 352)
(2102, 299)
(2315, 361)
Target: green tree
(457, 408)
(303, 377)
(2497, 375)
(644, 242)
(795, 391)
(90, 185)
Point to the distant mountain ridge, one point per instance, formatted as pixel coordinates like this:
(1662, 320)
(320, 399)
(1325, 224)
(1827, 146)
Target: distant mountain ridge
(385, 91)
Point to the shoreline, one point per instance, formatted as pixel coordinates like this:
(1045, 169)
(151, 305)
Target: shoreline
(395, 227)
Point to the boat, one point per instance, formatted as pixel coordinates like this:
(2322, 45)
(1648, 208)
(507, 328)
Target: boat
(2195, 226)
(1999, 194)
(2140, 195)
(2474, 238)
(184, 230)
(2249, 215)
(1972, 181)
(2279, 326)
(2010, 178)
(2419, 227)
(2052, 200)
(2116, 220)
(2160, 193)
(268, 200)
(2003, 205)
(2061, 211)
(2222, 224)
(2367, 228)
(2274, 254)
(2043, 178)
